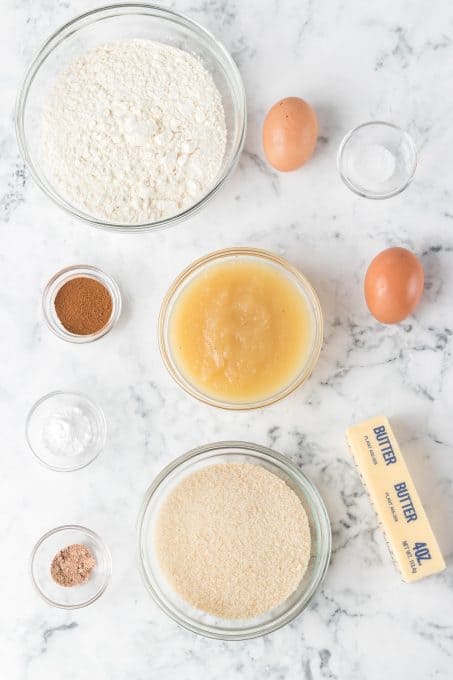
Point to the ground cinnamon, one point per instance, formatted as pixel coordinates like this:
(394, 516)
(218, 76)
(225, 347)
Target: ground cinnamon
(83, 305)
(72, 565)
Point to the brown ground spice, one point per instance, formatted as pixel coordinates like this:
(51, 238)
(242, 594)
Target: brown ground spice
(83, 305)
(72, 565)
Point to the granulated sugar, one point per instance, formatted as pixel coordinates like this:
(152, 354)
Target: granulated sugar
(233, 540)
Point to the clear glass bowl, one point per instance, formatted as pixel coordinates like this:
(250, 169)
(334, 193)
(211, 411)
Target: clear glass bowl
(60, 404)
(73, 597)
(62, 277)
(263, 256)
(122, 22)
(377, 160)
(200, 622)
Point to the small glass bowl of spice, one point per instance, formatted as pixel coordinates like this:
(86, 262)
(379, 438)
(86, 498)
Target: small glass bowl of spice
(81, 303)
(70, 567)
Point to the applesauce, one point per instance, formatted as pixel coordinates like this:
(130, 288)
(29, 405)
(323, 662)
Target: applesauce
(242, 329)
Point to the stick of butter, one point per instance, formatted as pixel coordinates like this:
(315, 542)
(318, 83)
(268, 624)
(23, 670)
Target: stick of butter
(409, 535)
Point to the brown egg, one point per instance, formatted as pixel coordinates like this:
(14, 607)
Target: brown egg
(290, 131)
(394, 285)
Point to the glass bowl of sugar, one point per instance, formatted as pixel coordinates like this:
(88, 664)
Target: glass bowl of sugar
(214, 549)
(131, 117)
(377, 160)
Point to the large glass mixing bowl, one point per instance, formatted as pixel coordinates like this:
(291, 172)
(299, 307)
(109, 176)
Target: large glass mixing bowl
(194, 619)
(123, 22)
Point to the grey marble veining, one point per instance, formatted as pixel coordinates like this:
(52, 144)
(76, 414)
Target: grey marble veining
(354, 62)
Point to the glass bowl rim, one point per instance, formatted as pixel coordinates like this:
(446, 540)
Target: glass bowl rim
(88, 271)
(107, 556)
(317, 508)
(361, 192)
(58, 37)
(197, 265)
(73, 393)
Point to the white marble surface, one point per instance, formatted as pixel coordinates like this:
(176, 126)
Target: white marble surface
(354, 62)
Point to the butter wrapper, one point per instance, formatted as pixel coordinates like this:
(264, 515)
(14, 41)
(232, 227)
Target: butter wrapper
(385, 475)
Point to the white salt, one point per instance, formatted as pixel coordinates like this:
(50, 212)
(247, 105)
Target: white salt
(375, 164)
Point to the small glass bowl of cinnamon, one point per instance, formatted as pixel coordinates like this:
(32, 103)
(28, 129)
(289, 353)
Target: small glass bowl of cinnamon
(81, 303)
(92, 575)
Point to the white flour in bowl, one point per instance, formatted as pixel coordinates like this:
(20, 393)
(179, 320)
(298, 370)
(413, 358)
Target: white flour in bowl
(134, 131)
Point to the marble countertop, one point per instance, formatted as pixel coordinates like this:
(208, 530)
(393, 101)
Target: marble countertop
(354, 62)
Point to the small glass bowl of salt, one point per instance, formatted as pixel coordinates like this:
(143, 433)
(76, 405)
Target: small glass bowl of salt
(65, 430)
(377, 160)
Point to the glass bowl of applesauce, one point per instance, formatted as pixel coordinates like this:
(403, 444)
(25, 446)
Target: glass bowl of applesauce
(240, 328)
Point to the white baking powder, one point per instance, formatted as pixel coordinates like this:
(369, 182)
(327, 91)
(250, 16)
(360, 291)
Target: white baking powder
(134, 131)
(68, 432)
